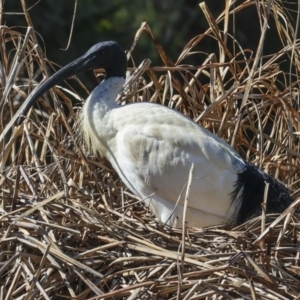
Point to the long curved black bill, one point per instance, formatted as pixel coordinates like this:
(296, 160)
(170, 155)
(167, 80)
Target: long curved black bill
(81, 64)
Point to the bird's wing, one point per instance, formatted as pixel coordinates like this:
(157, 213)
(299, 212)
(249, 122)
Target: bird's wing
(155, 151)
(154, 125)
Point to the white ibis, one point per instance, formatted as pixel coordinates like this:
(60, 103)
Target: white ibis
(153, 147)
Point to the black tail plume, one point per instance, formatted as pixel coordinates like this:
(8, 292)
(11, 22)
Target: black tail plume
(249, 193)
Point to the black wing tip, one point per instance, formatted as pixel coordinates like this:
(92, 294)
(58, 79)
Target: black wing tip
(249, 192)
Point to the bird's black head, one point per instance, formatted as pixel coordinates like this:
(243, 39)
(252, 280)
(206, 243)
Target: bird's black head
(106, 55)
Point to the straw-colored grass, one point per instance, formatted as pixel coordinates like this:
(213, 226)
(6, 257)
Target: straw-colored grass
(70, 229)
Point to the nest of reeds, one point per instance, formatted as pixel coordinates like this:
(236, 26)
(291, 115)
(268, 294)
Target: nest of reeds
(70, 229)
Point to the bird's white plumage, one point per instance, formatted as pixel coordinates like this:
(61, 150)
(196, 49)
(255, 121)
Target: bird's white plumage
(153, 147)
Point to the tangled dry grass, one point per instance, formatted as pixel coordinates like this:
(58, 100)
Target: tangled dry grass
(71, 230)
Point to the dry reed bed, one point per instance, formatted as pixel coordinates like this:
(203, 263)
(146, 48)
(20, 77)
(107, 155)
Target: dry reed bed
(71, 230)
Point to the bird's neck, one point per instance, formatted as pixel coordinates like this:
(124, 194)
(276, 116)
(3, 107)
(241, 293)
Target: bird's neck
(105, 93)
(96, 112)
(103, 98)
